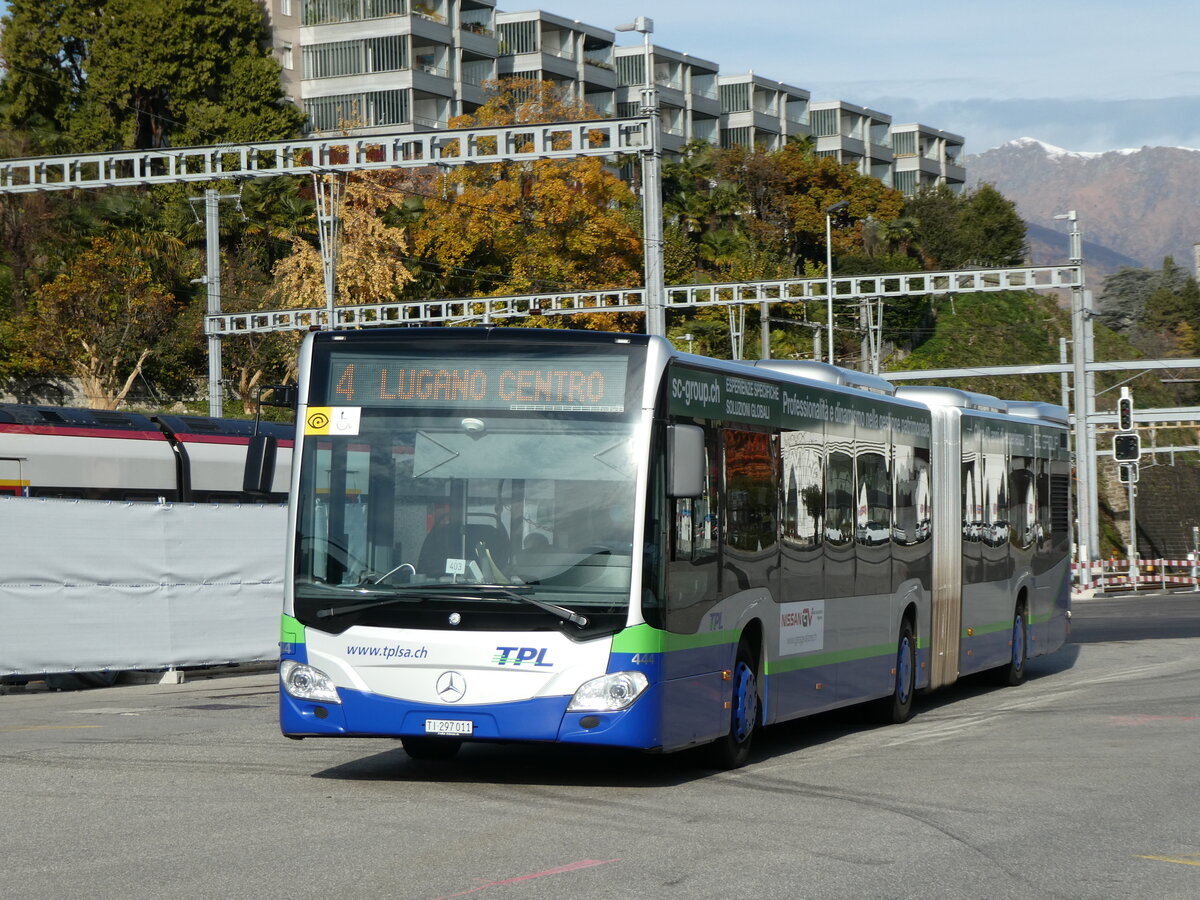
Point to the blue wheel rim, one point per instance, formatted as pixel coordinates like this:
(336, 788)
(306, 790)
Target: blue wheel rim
(1018, 643)
(746, 700)
(904, 670)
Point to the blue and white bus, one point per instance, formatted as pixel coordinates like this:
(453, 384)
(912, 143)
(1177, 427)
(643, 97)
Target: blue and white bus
(505, 534)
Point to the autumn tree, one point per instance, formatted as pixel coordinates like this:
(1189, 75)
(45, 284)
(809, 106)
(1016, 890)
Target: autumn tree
(99, 321)
(546, 225)
(371, 253)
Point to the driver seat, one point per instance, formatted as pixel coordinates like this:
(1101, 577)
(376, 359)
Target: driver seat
(446, 542)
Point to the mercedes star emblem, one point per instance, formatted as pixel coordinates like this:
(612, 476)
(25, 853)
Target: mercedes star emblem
(451, 686)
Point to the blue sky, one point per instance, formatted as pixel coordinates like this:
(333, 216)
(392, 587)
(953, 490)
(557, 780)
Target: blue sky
(1079, 74)
(1073, 73)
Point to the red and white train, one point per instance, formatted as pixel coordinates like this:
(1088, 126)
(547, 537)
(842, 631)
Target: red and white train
(92, 454)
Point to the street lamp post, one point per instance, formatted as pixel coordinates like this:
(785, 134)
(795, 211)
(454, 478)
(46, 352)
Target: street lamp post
(656, 315)
(829, 211)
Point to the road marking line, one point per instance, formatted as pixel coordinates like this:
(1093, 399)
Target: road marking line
(569, 867)
(1186, 861)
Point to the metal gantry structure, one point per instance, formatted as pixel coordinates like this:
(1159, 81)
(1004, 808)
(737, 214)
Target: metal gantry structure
(329, 159)
(570, 303)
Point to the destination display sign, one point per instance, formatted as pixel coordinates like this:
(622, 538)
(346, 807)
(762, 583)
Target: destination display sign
(579, 382)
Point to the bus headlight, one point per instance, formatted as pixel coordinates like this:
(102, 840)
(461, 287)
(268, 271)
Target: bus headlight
(609, 692)
(305, 682)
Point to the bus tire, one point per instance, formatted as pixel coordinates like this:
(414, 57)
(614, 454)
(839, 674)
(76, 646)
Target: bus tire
(432, 748)
(1012, 672)
(732, 750)
(898, 707)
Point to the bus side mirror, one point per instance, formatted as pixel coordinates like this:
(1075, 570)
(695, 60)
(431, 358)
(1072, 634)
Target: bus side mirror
(260, 465)
(685, 460)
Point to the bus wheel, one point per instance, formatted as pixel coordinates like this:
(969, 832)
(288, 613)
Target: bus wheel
(733, 750)
(898, 708)
(1012, 673)
(430, 748)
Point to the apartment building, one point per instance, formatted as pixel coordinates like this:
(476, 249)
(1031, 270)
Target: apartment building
(379, 66)
(689, 104)
(924, 157)
(383, 65)
(540, 45)
(758, 112)
(855, 135)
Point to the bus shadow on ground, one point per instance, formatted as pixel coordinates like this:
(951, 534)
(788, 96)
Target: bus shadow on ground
(560, 765)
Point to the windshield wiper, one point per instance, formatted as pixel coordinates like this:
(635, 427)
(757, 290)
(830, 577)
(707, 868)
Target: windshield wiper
(397, 596)
(439, 590)
(561, 611)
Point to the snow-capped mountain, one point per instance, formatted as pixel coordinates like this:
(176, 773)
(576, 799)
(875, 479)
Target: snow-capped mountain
(1134, 206)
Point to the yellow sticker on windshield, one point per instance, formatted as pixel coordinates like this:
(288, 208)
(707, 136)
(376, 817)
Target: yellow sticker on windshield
(332, 420)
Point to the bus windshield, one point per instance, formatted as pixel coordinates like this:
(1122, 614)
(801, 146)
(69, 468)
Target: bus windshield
(493, 519)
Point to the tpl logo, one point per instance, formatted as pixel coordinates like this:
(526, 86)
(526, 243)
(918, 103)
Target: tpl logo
(520, 656)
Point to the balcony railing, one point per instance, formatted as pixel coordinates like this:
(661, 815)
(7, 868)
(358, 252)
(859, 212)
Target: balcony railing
(426, 13)
(432, 69)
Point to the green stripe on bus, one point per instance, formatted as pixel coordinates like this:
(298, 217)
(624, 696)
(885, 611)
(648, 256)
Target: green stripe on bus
(812, 660)
(645, 639)
(291, 631)
(978, 630)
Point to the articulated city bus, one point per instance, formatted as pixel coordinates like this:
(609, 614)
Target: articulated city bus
(539, 535)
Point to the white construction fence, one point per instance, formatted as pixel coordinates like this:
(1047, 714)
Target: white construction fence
(94, 586)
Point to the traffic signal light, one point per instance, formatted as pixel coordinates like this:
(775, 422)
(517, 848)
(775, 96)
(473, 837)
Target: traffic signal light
(1127, 472)
(1125, 414)
(1127, 447)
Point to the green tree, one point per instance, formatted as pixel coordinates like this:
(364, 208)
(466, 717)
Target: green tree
(1157, 310)
(994, 330)
(109, 74)
(975, 228)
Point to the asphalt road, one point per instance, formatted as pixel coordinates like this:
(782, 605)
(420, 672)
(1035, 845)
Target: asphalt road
(1136, 617)
(1081, 783)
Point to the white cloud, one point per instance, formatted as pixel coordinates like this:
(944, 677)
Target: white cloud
(944, 54)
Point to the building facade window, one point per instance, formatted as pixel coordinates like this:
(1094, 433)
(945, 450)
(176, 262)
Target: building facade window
(705, 129)
(735, 97)
(904, 143)
(824, 122)
(705, 86)
(797, 111)
(517, 37)
(631, 71)
(326, 12)
(362, 110)
(335, 58)
(736, 137)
